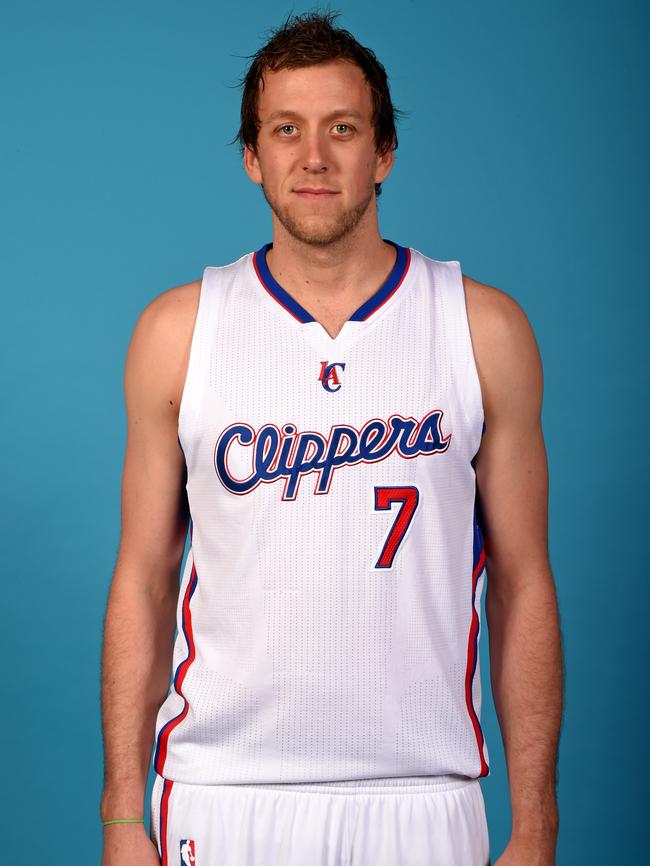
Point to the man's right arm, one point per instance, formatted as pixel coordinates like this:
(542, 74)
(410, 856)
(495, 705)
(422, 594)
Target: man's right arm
(140, 615)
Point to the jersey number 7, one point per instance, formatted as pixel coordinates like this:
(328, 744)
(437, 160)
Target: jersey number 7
(384, 498)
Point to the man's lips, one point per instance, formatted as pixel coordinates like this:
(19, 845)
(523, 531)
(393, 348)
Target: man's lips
(315, 192)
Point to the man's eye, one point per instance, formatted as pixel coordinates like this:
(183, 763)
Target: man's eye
(287, 126)
(342, 125)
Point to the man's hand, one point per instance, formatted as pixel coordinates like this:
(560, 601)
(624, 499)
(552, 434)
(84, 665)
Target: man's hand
(128, 845)
(530, 852)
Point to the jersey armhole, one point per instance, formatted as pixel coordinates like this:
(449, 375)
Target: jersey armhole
(467, 374)
(189, 410)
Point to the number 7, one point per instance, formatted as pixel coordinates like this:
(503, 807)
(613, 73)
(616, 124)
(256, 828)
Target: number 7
(384, 498)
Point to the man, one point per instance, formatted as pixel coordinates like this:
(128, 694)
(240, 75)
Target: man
(360, 439)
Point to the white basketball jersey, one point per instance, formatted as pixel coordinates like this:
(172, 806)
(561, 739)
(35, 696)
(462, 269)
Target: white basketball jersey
(329, 608)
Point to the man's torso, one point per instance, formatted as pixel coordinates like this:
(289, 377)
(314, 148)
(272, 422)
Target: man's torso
(329, 609)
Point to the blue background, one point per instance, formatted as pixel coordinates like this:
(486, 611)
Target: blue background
(525, 156)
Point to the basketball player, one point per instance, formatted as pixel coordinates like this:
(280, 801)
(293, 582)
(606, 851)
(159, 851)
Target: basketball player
(350, 429)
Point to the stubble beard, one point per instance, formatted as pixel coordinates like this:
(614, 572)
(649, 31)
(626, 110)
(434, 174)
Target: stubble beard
(328, 231)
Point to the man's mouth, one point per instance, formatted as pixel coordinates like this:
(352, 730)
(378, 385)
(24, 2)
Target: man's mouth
(315, 192)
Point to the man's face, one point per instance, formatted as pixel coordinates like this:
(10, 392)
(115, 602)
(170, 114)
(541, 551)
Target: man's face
(316, 157)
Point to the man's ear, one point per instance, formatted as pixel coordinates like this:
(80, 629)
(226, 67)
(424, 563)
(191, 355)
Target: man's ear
(252, 164)
(385, 162)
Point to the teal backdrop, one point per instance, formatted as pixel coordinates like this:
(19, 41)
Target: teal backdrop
(524, 155)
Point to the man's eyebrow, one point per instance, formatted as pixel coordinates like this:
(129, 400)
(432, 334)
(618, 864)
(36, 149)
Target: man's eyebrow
(342, 112)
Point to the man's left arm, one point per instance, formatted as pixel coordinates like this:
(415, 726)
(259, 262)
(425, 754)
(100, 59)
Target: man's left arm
(526, 665)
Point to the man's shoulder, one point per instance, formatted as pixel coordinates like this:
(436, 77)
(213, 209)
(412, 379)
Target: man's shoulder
(172, 307)
(489, 304)
(494, 315)
(172, 313)
(503, 340)
(160, 344)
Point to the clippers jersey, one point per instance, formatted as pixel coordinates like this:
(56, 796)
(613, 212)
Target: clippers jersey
(329, 609)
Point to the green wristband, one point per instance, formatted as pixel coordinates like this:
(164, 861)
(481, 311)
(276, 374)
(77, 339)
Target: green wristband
(124, 821)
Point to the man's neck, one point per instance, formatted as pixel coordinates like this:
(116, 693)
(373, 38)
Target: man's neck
(331, 282)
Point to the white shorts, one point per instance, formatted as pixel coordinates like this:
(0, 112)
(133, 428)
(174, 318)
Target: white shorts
(370, 822)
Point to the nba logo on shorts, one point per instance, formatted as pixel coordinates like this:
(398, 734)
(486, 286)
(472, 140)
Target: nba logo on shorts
(188, 857)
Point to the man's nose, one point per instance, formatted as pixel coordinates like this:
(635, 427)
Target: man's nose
(315, 155)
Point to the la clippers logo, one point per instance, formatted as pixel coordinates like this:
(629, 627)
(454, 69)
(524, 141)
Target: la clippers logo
(270, 454)
(188, 857)
(328, 375)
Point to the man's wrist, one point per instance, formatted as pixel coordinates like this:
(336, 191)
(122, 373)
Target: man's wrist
(121, 804)
(534, 826)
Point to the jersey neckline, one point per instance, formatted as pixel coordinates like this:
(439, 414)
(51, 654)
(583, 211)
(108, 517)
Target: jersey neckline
(363, 313)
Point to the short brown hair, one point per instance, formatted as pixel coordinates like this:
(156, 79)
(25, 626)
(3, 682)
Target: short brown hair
(306, 40)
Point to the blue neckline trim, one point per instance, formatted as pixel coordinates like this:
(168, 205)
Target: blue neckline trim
(395, 279)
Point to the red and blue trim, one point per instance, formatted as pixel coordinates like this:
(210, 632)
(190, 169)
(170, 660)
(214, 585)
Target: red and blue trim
(472, 645)
(160, 755)
(162, 826)
(386, 291)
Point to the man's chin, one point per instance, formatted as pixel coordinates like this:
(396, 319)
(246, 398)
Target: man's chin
(320, 229)
(315, 232)
(320, 238)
